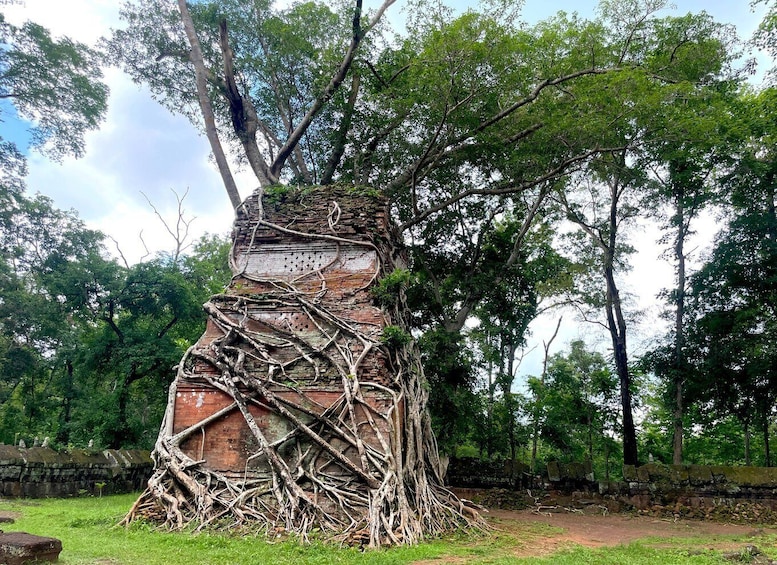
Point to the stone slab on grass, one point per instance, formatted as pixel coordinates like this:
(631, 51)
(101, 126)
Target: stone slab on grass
(18, 548)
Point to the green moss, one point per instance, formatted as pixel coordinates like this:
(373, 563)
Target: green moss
(365, 191)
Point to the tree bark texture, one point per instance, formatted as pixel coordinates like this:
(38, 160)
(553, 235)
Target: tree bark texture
(303, 407)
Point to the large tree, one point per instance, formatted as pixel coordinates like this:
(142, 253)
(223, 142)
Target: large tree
(655, 167)
(733, 332)
(463, 121)
(54, 83)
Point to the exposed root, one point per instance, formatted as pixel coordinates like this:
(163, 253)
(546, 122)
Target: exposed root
(362, 468)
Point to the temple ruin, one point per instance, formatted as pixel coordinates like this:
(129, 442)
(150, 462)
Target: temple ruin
(303, 405)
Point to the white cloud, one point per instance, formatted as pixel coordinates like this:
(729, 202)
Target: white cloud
(83, 20)
(140, 149)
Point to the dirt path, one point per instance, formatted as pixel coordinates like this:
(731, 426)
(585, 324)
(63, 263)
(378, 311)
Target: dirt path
(597, 531)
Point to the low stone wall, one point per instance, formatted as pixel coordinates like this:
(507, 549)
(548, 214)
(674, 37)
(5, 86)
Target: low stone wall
(699, 486)
(471, 472)
(738, 494)
(40, 472)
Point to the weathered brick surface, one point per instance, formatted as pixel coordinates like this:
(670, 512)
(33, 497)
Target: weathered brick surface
(227, 444)
(336, 273)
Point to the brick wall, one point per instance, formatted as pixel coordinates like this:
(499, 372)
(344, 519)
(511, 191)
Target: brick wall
(338, 273)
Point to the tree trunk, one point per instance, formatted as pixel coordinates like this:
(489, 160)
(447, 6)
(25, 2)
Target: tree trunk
(63, 434)
(537, 405)
(616, 324)
(205, 106)
(765, 429)
(678, 372)
(590, 425)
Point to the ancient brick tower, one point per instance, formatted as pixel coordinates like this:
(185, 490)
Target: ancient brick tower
(324, 250)
(302, 407)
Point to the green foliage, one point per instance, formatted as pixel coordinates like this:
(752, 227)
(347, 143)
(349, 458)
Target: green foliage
(387, 291)
(733, 331)
(87, 345)
(578, 409)
(471, 125)
(395, 337)
(54, 83)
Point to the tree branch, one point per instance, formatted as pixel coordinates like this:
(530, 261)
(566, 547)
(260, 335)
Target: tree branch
(206, 108)
(331, 88)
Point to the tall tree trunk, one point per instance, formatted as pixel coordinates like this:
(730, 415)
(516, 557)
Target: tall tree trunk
(122, 434)
(604, 236)
(508, 399)
(678, 372)
(616, 324)
(765, 430)
(63, 435)
(589, 423)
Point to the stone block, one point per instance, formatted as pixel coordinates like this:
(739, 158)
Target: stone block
(760, 477)
(699, 475)
(629, 473)
(43, 456)
(18, 548)
(10, 455)
(86, 459)
(678, 473)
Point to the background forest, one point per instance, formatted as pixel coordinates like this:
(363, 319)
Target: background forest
(518, 160)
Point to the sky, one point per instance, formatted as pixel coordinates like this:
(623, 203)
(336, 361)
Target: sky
(142, 153)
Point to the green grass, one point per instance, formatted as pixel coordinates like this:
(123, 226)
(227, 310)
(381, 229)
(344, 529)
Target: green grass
(87, 528)
(631, 554)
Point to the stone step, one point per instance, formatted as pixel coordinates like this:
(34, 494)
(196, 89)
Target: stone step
(18, 548)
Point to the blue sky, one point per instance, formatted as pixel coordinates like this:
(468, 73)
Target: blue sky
(144, 151)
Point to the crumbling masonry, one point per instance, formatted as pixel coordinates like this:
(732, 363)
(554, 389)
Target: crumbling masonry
(302, 407)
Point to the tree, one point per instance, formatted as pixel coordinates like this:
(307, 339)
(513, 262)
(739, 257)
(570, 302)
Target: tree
(78, 331)
(615, 185)
(461, 122)
(577, 404)
(53, 83)
(733, 329)
(35, 238)
(504, 315)
(610, 210)
(697, 143)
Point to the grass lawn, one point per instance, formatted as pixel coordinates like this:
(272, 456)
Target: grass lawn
(89, 535)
